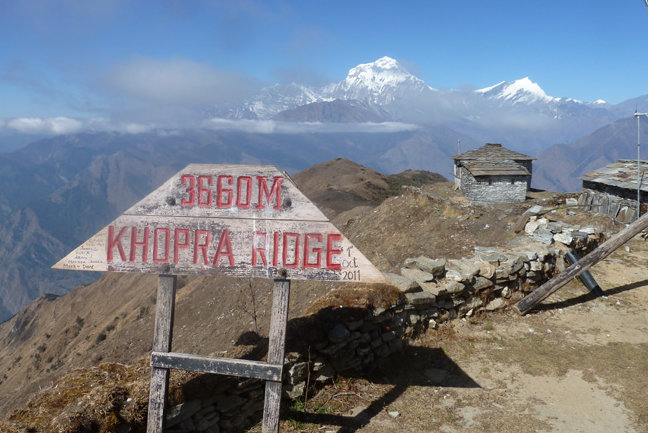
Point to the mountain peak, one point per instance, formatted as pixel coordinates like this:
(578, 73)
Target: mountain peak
(521, 90)
(385, 62)
(379, 82)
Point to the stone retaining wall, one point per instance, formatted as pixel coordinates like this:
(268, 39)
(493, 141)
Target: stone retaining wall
(340, 338)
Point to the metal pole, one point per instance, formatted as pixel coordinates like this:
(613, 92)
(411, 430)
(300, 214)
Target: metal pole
(637, 115)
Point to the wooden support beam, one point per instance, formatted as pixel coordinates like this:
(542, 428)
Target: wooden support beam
(161, 343)
(276, 349)
(228, 366)
(603, 250)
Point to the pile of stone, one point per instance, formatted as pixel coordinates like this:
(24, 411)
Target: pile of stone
(492, 279)
(557, 232)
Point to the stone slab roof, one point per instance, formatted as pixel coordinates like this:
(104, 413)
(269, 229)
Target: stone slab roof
(495, 168)
(493, 152)
(622, 174)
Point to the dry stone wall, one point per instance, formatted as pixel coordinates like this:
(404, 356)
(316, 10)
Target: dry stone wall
(608, 202)
(340, 338)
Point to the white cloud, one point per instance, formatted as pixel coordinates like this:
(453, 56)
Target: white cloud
(175, 82)
(66, 125)
(54, 125)
(271, 126)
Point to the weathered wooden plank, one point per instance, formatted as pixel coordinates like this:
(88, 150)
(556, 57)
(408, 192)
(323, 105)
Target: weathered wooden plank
(276, 349)
(222, 246)
(228, 191)
(236, 220)
(603, 250)
(161, 343)
(227, 366)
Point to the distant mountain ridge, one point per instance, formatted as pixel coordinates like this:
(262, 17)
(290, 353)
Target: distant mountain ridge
(561, 166)
(57, 192)
(518, 113)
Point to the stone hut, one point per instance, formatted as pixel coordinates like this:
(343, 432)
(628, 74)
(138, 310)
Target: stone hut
(612, 190)
(493, 173)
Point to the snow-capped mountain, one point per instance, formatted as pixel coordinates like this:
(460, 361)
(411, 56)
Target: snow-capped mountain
(275, 99)
(381, 82)
(519, 91)
(518, 111)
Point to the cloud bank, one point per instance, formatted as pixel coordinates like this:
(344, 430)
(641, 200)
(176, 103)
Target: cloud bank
(66, 125)
(49, 126)
(175, 82)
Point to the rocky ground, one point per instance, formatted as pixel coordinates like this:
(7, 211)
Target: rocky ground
(574, 364)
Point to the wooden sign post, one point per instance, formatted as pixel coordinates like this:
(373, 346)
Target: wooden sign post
(236, 220)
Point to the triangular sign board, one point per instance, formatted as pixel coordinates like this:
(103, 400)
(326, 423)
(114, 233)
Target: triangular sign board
(237, 220)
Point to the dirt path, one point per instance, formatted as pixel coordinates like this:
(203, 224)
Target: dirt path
(575, 364)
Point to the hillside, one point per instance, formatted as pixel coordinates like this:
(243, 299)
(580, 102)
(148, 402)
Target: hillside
(92, 323)
(111, 320)
(561, 166)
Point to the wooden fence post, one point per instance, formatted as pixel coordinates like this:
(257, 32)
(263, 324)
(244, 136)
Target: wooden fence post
(161, 343)
(276, 348)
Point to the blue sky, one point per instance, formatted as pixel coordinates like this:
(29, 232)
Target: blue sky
(121, 60)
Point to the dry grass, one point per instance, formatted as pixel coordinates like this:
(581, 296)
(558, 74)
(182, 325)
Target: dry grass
(94, 399)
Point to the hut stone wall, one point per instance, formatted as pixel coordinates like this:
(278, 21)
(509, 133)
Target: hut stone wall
(493, 189)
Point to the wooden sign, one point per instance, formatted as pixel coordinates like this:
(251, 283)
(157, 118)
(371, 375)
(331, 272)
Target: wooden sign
(236, 220)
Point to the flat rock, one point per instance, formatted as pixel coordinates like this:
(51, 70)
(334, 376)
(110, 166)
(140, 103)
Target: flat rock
(420, 299)
(481, 283)
(435, 267)
(417, 275)
(402, 283)
(461, 270)
(531, 227)
(564, 237)
(453, 287)
(543, 235)
(489, 254)
(514, 264)
(534, 210)
(486, 269)
(433, 289)
(496, 304)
